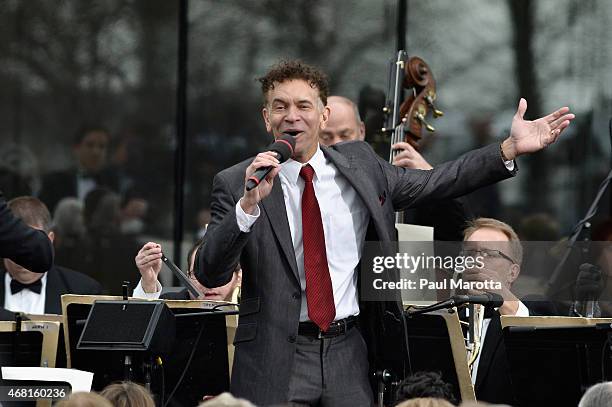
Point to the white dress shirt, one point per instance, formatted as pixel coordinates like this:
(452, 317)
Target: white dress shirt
(84, 186)
(139, 292)
(25, 300)
(345, 219)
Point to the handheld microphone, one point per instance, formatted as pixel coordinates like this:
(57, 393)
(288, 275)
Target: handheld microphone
(283, 147)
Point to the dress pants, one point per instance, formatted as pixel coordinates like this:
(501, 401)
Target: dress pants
(331, 372)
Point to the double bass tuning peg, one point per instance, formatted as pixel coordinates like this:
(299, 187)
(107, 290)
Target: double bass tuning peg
(420, 117)
(430, 101)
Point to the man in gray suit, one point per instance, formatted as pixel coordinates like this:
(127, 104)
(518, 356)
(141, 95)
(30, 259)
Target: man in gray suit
(299, 239)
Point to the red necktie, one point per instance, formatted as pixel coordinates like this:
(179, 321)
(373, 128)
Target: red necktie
(319, 292)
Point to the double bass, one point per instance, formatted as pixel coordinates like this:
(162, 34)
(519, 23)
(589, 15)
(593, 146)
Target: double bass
(405, 119)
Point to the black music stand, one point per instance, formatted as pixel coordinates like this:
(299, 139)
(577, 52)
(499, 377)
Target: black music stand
(206, 374)
(437, 345)
(554, 365)
(23, 349)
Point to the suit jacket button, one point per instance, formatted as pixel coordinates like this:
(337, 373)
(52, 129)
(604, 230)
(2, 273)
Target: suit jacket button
(296, 296)
(291, 338)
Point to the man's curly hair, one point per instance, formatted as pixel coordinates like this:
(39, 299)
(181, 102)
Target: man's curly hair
(295, 69)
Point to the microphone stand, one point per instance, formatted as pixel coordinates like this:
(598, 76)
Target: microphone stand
(449, 304)
(583, 224)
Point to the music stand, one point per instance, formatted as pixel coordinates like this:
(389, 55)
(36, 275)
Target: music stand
(207, 372)
(34, 344)
(567, 355)
(437, 344)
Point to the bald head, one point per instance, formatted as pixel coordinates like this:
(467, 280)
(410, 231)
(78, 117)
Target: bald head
(344, 123)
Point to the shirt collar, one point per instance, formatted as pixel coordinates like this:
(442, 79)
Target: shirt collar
(290, 169)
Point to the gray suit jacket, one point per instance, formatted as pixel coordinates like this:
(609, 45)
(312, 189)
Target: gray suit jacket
(271, 293)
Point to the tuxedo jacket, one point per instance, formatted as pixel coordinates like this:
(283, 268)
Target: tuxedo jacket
(493, 380)
(60, 281)
(28, 247)
(271, 292)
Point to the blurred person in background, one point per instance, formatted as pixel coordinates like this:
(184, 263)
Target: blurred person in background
(90, 146)
(107, 254)
(70, 232)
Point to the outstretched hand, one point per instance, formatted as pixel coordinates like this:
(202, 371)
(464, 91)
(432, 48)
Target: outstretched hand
(529, 136)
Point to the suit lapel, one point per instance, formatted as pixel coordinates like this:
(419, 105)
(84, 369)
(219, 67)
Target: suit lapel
(358, 179)
(274, 206)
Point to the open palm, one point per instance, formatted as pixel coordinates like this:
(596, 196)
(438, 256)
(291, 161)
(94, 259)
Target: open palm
(528, 136)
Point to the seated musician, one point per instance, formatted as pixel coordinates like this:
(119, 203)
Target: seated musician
(502, 255)
(23, 290)
(149, 263)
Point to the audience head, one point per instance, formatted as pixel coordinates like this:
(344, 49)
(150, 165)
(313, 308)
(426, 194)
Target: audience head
(128, 394)
(425, 402)
(68, 218)
(35, 214)
(84, 399)
(599, 395)
(500, 243)
(344, 122)
(102, 210)
(225, 400)
(425, 384)
(90, 146)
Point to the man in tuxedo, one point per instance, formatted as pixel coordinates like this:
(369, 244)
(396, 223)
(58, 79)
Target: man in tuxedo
(502, 253)
(447, 217)
(22, 244)
(22, 290)
(90, 147)
(299, 240)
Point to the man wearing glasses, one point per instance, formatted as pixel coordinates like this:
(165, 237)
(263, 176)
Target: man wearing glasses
(502, 253)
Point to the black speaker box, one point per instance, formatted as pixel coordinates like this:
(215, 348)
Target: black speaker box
(147, 326)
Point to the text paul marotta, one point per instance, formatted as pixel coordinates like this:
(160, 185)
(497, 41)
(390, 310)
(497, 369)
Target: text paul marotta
(410, 263)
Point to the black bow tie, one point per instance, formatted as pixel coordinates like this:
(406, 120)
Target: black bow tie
(16, 286)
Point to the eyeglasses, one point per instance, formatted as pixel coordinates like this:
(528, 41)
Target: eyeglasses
(491, 253)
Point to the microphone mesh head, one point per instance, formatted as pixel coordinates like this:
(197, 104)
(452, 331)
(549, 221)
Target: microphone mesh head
(284, 146)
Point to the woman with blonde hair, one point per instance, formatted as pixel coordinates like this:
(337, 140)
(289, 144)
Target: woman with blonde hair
(128, 394)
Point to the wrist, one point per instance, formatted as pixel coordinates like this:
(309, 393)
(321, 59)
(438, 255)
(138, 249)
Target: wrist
(149, 287)
(248, 206)
(507, 150)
